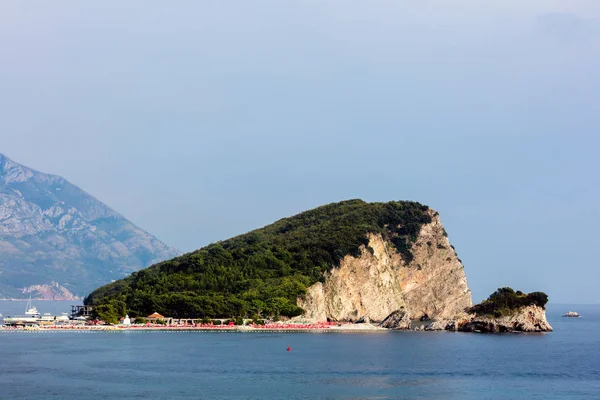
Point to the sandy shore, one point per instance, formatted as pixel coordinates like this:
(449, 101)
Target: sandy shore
(142, 328)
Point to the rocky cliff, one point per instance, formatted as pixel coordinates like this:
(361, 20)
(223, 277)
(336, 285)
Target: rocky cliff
(362, 287)
(379, 281)
(57, 241)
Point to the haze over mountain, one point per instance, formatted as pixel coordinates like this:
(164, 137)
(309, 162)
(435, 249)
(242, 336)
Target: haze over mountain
(57, 241)
(229, 117)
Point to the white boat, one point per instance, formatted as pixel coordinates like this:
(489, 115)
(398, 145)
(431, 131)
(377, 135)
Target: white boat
(572, 314)
(18, 319)
(47, 317)
(31, 316)
(30, 310)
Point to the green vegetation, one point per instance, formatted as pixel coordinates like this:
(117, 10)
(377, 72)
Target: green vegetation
(261, 273)
(110, 311)
(505, 301)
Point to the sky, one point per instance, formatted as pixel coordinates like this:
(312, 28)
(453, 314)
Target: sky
(202, 120)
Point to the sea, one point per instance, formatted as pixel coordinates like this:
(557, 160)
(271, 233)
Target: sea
(564, 364)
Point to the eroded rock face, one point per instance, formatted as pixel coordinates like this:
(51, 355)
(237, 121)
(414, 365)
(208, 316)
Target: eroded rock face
(434, 283)
(367, 286)
(380, 282)
(440, 325)
(527, 319)
(397, 320)
(314, 303)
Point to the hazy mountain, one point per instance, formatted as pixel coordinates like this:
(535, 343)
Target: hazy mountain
(57, 240)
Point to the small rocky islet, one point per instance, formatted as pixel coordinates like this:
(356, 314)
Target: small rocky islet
(386, 264)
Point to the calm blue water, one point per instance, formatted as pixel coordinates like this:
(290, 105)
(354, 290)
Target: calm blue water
(564, 364)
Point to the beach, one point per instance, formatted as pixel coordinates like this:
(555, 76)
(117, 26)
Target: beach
(277, 327)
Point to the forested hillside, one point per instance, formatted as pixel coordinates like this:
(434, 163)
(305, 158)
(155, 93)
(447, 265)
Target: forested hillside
(261, 273)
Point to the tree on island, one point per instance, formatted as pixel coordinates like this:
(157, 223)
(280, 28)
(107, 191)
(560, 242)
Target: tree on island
(110, 312)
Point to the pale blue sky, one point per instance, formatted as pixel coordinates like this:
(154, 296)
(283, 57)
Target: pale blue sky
(200, 120)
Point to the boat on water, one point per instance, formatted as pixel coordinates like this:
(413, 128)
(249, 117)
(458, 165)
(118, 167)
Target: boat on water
(31, 316)
(572, 314)
(49, 318)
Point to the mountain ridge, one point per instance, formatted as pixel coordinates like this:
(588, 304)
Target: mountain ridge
(58, 240)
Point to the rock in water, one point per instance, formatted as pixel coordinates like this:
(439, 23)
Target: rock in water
(397, 320)
(59, 242)
(437, 325)
(526, 319)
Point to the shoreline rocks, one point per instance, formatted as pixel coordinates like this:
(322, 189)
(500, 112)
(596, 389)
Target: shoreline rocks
(398, 320)
(442, 325)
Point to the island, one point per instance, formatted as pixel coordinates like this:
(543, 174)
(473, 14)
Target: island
(504, 311)
(378, 264)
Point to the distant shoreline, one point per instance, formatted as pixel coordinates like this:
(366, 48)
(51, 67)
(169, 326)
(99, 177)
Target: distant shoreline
(81, 301)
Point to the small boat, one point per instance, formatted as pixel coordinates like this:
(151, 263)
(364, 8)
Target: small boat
(572, 314)
(30, 310)
(31, 316)
(47, 317)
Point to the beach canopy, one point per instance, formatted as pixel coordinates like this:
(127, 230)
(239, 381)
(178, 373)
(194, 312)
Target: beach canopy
(155, 315)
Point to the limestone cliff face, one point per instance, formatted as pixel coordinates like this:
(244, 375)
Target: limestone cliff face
(379, 281)
(434, 283)
(367, 286)
(527, 319)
